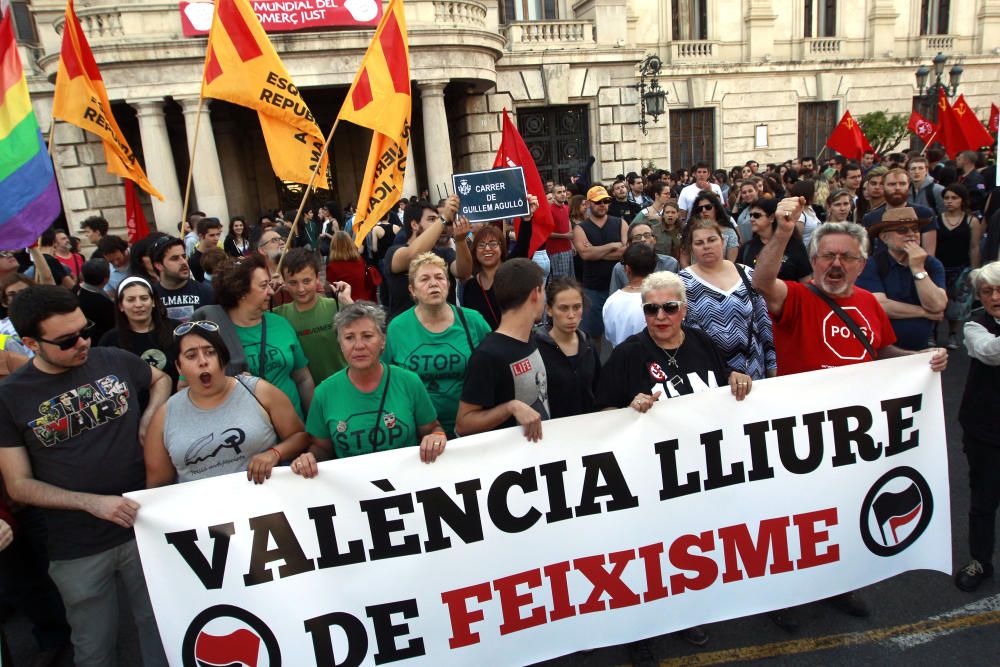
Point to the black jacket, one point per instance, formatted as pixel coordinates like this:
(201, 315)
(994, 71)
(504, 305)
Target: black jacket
(572, 381)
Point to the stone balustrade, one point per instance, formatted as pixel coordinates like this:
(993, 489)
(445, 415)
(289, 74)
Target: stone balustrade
(460, 12)
(825, 46)
(692, 52)
(97, 22)
(935, 43)
(544, 35)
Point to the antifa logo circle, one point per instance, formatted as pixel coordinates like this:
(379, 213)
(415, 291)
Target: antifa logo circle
(228, 636)
(896, 511)
(656, 372)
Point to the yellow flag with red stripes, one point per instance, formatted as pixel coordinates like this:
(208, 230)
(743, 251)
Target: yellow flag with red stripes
(380, 99)
(81, 100)
(242, 67)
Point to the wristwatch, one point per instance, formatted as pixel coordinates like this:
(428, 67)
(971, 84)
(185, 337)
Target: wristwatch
(919, 275)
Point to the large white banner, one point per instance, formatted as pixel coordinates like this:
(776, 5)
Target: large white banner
(617, 526)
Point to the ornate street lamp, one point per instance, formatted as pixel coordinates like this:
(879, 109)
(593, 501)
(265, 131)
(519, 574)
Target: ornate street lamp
(652, 97)
(930, 93)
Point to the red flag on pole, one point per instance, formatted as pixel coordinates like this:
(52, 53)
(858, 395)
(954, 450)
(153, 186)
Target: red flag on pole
(921, 127)
(135, 219)
(972, 128)
(994, 124)
(514, 153)
(949, 133)
(848, 139)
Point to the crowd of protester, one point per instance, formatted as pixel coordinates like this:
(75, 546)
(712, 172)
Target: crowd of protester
(244, 346)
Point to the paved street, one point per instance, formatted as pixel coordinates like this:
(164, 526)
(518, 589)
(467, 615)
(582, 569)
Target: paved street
(919, 618)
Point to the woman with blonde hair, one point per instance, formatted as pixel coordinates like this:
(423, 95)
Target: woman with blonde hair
(435, 339)
(346, 265)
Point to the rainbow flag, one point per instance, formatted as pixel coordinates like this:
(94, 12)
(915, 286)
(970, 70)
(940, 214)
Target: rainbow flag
(29, 197)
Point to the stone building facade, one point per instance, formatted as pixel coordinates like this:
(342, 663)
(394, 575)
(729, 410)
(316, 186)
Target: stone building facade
(762, 79)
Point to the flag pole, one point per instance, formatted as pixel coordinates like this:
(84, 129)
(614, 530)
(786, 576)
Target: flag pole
(194, 148)
(52, 135)
(929, 142)
(305, 195)
(821, 151)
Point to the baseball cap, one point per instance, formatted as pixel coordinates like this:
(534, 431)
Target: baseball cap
(597, 193)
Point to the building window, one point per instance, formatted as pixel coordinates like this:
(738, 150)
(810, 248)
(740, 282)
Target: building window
(692, 137)
(690, 20)
(820, 18)
(816, 122)
(528, 10)
(24, 23)
(934, 15)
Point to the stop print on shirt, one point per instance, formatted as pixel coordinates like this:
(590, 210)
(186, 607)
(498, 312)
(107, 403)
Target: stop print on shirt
(839, 338)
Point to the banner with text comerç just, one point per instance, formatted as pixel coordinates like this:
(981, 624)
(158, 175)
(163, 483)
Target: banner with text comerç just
(617, 526)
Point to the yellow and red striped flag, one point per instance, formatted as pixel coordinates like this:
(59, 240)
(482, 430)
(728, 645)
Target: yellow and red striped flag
(81, 100)
(380, 99)
(242, 67)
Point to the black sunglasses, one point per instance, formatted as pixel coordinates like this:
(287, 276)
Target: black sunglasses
(756, 214)
(603, 201)
(68, 342)
(703, 207)
(670, 308)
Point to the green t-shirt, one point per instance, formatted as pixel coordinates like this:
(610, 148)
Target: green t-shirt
(317, 336)
(282, 356)
(351, 418)
(438, 358)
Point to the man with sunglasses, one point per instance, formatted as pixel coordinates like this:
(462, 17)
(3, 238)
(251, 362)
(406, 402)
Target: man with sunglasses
(71, 427)
(907, 281)
(179, 293)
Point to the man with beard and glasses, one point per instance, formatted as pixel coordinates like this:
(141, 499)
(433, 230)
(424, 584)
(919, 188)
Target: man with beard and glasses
(896, 190)
(809, 335)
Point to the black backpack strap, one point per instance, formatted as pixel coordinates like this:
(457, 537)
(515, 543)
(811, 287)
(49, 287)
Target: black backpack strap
(465, 326)
(851, 324)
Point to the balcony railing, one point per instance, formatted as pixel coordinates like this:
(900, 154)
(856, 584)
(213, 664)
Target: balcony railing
(825, 46)
(460, 12)
(544, 35)
(692, 52)
(97, 22)
(935, 43)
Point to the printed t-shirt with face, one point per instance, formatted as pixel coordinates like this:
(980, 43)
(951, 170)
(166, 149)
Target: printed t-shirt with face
(439, 359)
(351, 419)
(283, 356)
(639, 365)
(809, 336)
(317, 336)
(81, 431)
(183, 301)
(503, 369)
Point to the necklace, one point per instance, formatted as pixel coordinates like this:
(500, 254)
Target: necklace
(671, 358)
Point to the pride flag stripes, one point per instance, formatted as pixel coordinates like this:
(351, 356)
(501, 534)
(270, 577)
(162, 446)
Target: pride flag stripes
(28, 191)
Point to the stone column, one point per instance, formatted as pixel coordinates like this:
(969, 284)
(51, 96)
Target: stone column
(206, 176)
(159, 161)
(410, 187)
(437, 143)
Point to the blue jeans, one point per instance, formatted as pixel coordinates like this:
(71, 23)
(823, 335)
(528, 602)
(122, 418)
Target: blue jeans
(593, 318)
(89, 588)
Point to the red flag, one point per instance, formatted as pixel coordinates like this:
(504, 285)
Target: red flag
(972, 128)
(994, 124)
(921, 127)
(135, 219)
(514, 153)
(949, 133)
(848, 139)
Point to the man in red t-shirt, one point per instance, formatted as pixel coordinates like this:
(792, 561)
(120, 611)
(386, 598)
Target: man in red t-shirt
(808, 334)
(559, 246)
